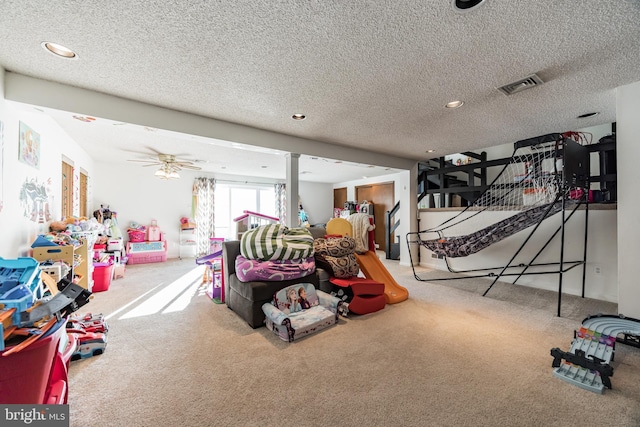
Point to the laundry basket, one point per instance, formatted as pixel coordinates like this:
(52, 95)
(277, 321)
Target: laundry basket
(136, 235)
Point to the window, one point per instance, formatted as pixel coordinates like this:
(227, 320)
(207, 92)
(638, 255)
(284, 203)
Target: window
(233, 199)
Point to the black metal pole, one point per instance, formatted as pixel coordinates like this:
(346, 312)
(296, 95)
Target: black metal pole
(551, 205)
(531, 263)
(561, 251)
(586, 232)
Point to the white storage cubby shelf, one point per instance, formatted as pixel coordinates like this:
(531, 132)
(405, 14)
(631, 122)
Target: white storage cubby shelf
(187, 243)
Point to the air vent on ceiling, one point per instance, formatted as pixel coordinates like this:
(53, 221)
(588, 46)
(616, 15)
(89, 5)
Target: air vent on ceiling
(520, 85)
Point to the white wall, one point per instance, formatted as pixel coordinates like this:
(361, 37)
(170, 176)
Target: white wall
(137, 195)
(317, 201)
(19, 230)
(628, 153)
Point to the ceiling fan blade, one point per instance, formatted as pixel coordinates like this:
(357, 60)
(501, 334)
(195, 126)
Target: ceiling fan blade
(153, 150)
(197, 168)
(144, 161)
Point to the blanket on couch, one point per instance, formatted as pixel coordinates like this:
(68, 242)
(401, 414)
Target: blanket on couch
(276, 242)
(250, 270)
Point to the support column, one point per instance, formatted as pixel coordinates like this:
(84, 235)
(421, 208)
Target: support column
(628, 152)
(410, 216)
(292, 189)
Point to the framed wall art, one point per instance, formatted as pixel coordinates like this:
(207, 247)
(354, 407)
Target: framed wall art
(29, 148)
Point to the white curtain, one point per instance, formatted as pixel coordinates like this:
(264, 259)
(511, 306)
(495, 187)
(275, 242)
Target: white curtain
(204, 213)
(281, 202)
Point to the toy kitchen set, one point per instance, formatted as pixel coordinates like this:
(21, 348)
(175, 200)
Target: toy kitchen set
(146, 244)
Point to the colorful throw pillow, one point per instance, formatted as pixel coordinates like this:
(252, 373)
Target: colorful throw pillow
(335, 247)
(275, 241)
(342, 267)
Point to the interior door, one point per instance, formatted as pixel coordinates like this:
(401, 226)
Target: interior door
(83, 194)
(382, 196)
(339, 197)
(67, 190)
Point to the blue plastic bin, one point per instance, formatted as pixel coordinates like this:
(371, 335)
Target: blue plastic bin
(20, 284)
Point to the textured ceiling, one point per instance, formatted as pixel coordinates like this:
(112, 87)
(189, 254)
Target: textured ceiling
(373, 75)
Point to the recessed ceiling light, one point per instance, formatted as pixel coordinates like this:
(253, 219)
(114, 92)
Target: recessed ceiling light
(465, 5)
(454, 104)
(430, 151)
(586, 115)
(59, 50)
(298, 116)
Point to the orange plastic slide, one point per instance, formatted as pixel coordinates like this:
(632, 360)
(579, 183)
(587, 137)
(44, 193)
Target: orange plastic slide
(373, 269)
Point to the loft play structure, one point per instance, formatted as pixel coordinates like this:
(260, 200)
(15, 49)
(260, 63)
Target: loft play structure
(544, 176)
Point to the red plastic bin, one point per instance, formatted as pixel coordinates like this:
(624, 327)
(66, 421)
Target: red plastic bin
(102, 272)
(24, 376)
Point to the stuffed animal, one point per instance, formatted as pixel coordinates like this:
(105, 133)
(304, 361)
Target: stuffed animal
(58, 226)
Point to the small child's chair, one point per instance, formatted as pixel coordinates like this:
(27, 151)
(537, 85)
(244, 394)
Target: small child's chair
(300, 310)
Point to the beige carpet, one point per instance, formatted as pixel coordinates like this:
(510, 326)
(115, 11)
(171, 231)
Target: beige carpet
(445, 357)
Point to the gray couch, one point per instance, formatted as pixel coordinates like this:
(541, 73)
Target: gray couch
(246, 298)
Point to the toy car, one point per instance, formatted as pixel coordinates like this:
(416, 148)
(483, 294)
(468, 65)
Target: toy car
(90, 322)
(89, 343)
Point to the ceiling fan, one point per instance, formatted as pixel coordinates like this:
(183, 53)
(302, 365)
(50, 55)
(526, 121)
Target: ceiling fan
(169, 165)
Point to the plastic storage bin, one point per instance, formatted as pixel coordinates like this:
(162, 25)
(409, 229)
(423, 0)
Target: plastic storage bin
(20, 284)
(102, 272)
(25, 375)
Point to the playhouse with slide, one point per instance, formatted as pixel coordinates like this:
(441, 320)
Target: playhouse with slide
(359, 227)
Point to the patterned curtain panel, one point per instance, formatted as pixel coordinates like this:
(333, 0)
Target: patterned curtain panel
(281, 202)
(203, 211)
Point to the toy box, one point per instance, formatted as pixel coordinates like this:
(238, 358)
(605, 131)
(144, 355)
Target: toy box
(146, 252)
(114, 245)
(118, 271)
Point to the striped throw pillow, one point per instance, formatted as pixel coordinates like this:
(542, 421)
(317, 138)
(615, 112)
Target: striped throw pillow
(276, 242)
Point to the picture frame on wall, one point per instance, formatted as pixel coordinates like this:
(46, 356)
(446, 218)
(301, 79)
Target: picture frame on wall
(29, 146)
